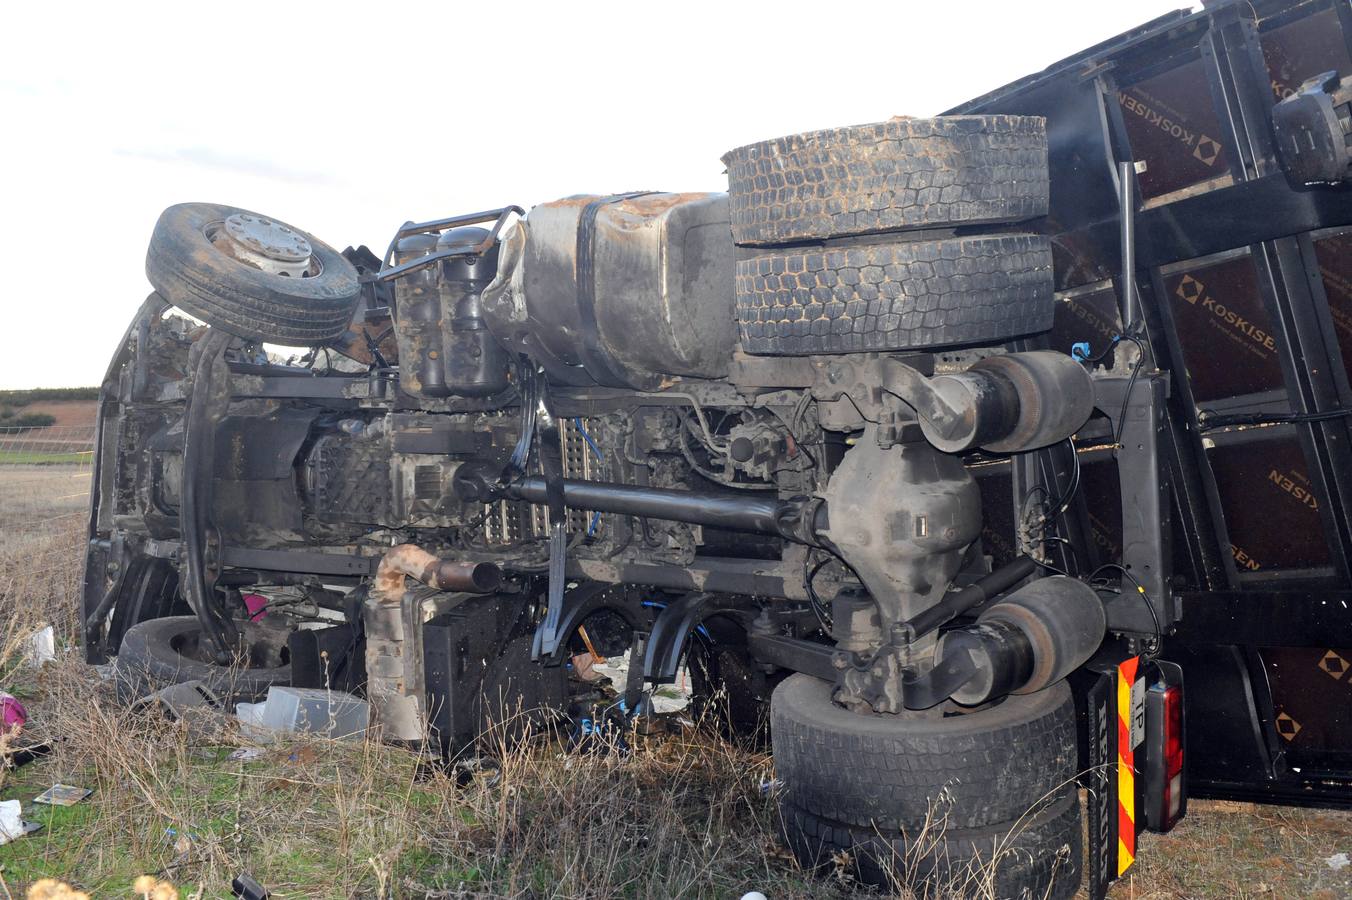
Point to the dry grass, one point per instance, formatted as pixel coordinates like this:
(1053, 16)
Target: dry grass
(1223, 849)
(683, 815)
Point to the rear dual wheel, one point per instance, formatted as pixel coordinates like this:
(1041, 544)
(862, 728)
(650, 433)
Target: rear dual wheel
(932, 803)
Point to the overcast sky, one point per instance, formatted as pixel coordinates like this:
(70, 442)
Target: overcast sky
(347, 121)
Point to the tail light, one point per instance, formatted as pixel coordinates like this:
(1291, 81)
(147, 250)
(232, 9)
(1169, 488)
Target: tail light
(1166, 797)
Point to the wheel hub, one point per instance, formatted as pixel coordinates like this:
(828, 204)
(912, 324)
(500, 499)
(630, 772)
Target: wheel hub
(265, 244)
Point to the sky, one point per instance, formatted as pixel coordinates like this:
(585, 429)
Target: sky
(348, 120)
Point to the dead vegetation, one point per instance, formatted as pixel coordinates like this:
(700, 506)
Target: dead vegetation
(683, 815)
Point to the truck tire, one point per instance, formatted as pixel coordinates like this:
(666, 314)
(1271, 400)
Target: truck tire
(898, 295)
(974, 770)
(899, 174)
(1037, 857)
(161, 652)
(190, 272)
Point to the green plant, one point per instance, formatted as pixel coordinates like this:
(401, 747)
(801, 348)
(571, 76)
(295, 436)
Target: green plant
(31, 420)
(23, 398)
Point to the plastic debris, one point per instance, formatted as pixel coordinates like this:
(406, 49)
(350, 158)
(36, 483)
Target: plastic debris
(257, 605)
(754, 895)
(666, 698)
(12, 714)
(11, 821)
(181, 841)
(40, 647)
(769, 787)
(1338, 861)
(246, 753)
(62, 795)
(179, 701)
(246, 888)
(250, 716)
(287, 710)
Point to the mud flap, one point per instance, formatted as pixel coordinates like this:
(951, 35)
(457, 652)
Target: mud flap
(1099, 730)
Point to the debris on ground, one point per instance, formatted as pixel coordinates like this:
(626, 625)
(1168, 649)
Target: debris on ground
(666, 698)
(11, 821)
(40, 646)
(245, 754)
(13, 715)
(1338, 861)
(584, 667)
(288, 710)
(62, 795)
(246, 888)
(177, 699)
(181, 841)
(190, 702)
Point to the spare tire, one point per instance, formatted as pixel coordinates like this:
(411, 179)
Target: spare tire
(895, 295)
(899, 174)
(171, 650)
(259, 279)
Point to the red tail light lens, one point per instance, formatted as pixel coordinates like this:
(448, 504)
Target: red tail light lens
(1165, 781)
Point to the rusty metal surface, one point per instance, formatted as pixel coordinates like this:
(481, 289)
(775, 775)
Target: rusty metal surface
(659, 297)
(411, 561)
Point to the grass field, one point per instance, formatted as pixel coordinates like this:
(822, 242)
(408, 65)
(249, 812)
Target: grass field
(43, 458)
(684, 815)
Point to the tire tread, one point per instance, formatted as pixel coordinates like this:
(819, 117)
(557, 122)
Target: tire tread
(886, 176)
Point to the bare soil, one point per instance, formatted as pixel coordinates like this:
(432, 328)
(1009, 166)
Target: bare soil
(68, 413)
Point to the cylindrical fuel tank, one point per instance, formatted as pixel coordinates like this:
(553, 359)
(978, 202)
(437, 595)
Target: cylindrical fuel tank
(623, 290)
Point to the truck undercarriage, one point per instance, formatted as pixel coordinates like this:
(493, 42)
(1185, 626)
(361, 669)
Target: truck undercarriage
(825, 433)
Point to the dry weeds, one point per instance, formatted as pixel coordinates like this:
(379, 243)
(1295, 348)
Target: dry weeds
(684, 815)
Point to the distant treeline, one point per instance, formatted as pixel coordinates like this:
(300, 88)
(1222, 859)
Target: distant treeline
(23, 398)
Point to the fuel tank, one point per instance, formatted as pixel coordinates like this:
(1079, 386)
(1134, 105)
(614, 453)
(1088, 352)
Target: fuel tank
(626, 290)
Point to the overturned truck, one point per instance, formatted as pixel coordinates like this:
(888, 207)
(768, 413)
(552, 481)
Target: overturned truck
(902, 444)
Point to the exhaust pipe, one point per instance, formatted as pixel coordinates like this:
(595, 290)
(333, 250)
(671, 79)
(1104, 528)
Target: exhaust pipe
(409, 561)
(395, 684)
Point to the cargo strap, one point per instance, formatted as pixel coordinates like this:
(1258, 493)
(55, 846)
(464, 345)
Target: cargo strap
(599, 361)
